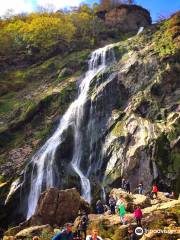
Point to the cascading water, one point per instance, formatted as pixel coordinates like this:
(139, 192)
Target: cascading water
(43, 162)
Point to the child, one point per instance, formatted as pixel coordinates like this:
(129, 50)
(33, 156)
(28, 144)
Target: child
(154, 190)
(122, 212)
(138, 215)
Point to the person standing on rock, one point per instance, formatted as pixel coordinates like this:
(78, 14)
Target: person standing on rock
(112, 204)
(154, 191)
(99, 207)
(94, 235)
(122, 212)
(138, 215)
(123, 183)
(140, 188)
(127, 187)
(65, 234)
(82, 228)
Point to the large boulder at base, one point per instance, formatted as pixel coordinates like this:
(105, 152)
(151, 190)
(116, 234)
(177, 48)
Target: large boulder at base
(57, 207)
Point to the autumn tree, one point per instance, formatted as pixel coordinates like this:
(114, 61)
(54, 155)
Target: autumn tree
(41, 34)
(109, 4)
(45, 33)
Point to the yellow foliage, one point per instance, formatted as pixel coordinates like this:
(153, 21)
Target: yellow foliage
(46, 31)
(42, 33)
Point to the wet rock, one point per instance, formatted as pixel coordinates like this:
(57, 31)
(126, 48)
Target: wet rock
(16, 159)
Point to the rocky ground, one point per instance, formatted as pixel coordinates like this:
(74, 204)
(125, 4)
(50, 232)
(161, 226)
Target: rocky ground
(161, 214)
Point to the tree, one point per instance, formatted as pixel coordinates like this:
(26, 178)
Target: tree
(11, 38)
(130, 2)
(109, 4)
(46, 33)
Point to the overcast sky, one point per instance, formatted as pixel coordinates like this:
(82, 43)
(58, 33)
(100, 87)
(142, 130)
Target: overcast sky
(156, 7)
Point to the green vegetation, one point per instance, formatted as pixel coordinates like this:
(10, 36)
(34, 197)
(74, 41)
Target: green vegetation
(38, 83)
(119, 50)
(38, 36)
(163, 40)
(118, 129)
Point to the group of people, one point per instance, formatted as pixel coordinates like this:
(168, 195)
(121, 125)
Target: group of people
(101, 208)
(122, 212)
(120, 203)
(112, 206)
(125, 184)
(120, 206)
(152, 193)
(67, 233)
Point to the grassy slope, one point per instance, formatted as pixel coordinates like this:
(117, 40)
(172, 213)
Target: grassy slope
(32, 99)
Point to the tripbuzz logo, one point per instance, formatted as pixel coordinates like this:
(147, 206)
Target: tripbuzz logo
(139, 231)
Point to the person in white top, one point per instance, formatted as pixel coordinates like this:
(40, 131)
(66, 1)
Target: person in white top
(94, 235)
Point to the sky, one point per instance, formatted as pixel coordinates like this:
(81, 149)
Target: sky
(156, 7)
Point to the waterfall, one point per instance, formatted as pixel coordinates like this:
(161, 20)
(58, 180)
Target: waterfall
(140, 30)
(42, 175)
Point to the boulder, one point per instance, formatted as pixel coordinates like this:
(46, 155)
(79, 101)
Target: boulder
(13, 231)
(84, 206)
(33, 231)
(56, 207)
(127, 18)
(161, 206)
(141, 200)
(131, 200)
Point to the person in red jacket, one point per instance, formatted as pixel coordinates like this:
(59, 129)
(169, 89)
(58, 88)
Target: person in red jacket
(154, 190)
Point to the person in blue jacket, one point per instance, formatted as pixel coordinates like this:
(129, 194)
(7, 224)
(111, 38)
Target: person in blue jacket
(65, 234)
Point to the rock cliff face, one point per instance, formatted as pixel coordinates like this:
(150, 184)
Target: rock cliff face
(126, 18)
(135, 118)
(140, 144)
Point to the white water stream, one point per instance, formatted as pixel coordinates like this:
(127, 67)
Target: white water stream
(43, 161)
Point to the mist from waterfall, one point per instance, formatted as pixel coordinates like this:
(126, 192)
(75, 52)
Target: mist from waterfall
(43, 162)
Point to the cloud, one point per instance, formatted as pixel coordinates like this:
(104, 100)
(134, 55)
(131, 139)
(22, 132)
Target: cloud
(21, 6)
(17, 6)
(57, 4)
